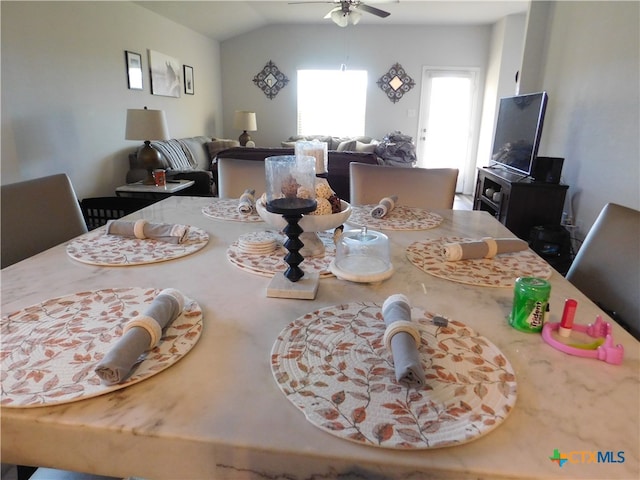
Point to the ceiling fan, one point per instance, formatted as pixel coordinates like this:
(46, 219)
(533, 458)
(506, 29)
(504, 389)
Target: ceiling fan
(348, 11)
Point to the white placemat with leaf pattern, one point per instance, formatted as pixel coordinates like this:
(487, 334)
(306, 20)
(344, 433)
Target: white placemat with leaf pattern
(227, 209)
(332, 364)
(269, 264)
(499, 271)
(400, 218)
(98, 248)
(50, 350)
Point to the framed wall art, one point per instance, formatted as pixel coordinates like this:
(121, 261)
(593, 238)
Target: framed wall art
(166, 75)
(396, 82)
(134, 70)
(188, 79)
(270, 80)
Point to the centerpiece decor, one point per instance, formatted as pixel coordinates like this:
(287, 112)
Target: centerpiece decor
(290, 192)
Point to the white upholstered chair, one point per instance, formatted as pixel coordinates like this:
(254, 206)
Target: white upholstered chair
(429, 188)
(607, 266)
(235, 176)
(37, 215)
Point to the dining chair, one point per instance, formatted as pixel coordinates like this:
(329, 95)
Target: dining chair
(53, 474)
(37, 215)
(432, 188)
(97, 211)
(607, 266)
(235, 176)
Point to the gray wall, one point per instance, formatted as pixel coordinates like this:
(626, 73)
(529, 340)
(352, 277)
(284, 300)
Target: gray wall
(366, 47)
(65, 95)
(590, 55)
(505, 59)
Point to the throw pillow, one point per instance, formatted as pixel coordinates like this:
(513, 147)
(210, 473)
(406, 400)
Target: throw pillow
(219, 144)
(196, 153)
(348, 146)
(365, 147)
(175, 155)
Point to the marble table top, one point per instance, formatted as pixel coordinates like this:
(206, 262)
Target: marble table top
(218, 413)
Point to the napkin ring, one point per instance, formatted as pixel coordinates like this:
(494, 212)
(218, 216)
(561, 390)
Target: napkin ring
(492, 245)
(147, 323)
(138, 229)
(401, 326)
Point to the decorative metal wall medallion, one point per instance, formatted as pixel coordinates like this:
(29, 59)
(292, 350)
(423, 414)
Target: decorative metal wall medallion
(270, 80)
(395, 83)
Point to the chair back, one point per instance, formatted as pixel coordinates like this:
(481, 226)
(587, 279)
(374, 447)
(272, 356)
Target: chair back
(607, 266)
(235, 176)
(97, 211)
(37, 215)
(429, 188)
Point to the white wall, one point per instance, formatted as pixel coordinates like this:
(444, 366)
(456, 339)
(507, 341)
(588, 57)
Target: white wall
(65, 95)
(372, 48)
(591, 71)
(507, 41)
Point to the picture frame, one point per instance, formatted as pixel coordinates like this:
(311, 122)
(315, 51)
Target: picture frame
(166, 75)
(188, 80)
(133, 62)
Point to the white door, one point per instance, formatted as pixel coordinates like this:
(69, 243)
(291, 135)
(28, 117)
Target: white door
(445, 126)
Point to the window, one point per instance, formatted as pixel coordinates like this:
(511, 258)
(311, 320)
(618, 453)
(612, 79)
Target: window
(332, 102)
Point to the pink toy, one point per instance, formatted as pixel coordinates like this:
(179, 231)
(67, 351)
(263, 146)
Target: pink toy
(607, 352)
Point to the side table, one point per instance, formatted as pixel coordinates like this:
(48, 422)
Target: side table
(138, 189)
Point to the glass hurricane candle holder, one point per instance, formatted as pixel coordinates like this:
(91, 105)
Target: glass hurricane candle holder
(316, 149)
(290, 182)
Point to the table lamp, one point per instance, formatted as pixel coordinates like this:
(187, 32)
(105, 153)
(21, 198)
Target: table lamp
(147, 125)
(245, 121)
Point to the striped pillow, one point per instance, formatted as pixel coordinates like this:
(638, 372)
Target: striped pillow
(175, 155)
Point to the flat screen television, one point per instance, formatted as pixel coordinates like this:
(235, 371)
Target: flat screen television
(518, 131)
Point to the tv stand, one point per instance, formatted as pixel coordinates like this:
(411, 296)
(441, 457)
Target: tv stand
(520, 203)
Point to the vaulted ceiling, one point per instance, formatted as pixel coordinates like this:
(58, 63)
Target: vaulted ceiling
(221, 20)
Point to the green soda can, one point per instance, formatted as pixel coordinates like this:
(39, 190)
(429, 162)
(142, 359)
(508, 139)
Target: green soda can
(530, 300)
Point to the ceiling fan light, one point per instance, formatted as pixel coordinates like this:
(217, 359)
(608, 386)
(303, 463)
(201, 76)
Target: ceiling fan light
(339, 18)
(354, 17)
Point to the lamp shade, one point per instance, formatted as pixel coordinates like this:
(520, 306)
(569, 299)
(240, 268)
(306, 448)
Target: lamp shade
(340, 18)
(244, 120)
(146, 125)
(354, 17)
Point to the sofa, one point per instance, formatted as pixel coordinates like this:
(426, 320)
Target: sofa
(338, 163)
(188, 158)
(361, 144)
(395, 149)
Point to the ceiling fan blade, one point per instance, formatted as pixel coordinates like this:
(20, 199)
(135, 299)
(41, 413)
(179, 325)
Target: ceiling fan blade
(312, 1)
(373, 10)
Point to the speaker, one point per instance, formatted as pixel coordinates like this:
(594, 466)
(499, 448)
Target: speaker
(547, 169)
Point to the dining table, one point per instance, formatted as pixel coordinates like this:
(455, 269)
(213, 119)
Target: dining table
(222, 410)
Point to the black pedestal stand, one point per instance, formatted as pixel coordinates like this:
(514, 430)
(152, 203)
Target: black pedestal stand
(293, 245)
(292, 210)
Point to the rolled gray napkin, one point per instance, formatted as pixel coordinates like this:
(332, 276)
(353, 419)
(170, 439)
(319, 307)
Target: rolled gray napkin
(247, 202)
(403, 343)
(169, 233)
(140, 334)
(384, 206)
(485, 248)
